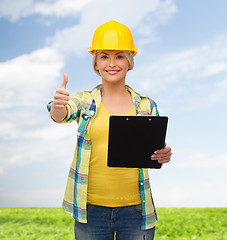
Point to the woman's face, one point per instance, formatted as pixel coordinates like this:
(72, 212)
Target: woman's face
(112, 65)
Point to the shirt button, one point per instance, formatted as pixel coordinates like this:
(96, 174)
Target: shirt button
(144, 201)
(141, 183)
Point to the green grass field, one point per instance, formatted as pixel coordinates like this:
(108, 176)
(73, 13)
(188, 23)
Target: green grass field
(53, 223)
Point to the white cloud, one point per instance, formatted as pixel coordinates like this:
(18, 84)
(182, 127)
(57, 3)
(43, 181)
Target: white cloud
(60, 8)
(191, 65)
(203, 195)
(24, 8)
(131, 13)
(191, 179)
(187, 158)
(203, 160)
(14, 10)
(165, 10)
(160, 10)
(24, 146)
(25, 78)
(172, 196)
(16, 130)
(143, 17)
(72, 40)
(76, 39)
(219, 92)
(25, 83)
(201, 71)
(215, 68)
(51, 197)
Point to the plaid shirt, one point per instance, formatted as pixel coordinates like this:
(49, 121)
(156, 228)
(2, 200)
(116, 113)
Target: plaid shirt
(83, 107)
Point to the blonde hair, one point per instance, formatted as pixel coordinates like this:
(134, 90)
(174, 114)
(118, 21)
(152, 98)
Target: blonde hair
(128, 54)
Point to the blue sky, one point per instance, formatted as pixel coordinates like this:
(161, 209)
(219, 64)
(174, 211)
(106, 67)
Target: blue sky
(181, 64)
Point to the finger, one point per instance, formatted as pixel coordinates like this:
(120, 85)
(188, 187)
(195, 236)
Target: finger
(62, 95)
(62, 92)
(60, 102)
(65, 81)
(161, 156)
(163, 151)
(164, 161)
(59, 107)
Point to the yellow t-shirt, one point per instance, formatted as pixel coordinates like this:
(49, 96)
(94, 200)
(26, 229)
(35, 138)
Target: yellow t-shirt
(109, 186)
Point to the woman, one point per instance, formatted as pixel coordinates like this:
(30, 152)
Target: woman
(107, 201)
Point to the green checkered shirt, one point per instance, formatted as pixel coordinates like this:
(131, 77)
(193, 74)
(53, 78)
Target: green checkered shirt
(82, 108)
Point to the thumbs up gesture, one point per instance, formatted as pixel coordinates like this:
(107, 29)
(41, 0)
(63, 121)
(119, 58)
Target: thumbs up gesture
(61, 96)
(58, 106)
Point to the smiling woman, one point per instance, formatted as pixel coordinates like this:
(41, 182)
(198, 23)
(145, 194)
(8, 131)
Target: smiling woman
(107, 201)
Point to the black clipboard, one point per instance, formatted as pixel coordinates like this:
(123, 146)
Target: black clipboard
(133, 139)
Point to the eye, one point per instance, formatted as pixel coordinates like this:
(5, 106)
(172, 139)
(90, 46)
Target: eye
(104, 57)
(120, 56)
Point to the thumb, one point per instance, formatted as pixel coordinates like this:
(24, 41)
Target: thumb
(65, 81)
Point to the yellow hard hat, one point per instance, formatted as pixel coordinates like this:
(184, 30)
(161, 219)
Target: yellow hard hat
(112, 35)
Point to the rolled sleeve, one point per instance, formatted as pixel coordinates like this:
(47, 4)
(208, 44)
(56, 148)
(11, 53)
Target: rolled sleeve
(73, 109)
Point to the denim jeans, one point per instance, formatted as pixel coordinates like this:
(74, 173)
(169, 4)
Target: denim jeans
(105, 222)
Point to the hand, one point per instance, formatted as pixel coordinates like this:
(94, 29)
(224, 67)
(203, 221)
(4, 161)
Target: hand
(162, 155)
(61, 96)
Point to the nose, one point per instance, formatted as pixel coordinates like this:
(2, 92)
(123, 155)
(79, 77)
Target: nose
(112, 62)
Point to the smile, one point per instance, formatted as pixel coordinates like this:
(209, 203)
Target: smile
(112, 71)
